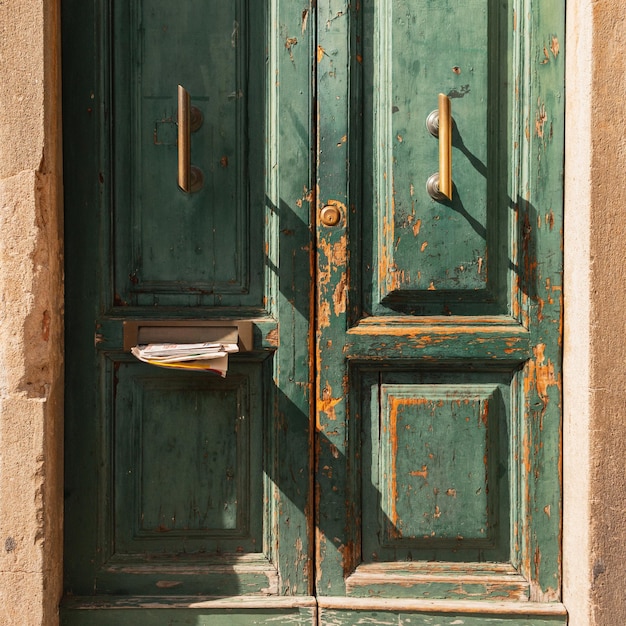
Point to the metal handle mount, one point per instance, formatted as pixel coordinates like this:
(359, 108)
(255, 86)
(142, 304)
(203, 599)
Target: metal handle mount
(439, 124)
(190, 178)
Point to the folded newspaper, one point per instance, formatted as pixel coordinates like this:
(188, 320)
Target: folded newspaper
(208, 357)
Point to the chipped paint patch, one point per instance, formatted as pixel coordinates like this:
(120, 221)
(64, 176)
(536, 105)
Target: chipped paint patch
(305, 19)
(423, 473)
(289, 44)
(541, 117)
(327, 404)
(554, 47)
(416, 228)
(272, 338)
(339, 295)
(541, 374)
(324, 314)
(168, 584)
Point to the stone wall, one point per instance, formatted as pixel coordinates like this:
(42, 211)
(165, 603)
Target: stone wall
(31, 314)
(595, 324)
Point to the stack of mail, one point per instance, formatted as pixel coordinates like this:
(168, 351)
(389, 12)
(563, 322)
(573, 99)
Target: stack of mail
(209, 357)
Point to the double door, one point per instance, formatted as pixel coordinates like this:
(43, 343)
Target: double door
(385, 446)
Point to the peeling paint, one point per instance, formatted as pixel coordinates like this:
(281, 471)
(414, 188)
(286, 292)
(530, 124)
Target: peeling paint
(423, 473)
(327, 404)
(554, 46)
(339, 295)
(272, 338)
(289, 44)
(541, 374)
(416, 228)
(168, 584)
(324, 314)
(305, 19)
(541, 117)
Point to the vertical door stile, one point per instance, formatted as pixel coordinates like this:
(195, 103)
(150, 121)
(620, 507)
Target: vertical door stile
(333, 551)
(539, 204)
(290, 198)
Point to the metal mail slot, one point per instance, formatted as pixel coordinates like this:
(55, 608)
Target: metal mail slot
(188, 331)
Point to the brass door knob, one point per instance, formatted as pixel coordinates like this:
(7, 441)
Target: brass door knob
(330, 215)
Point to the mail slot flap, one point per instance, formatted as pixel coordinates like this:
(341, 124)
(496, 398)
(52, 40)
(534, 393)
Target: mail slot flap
(192, 331)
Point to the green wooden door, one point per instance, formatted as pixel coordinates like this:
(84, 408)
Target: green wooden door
(386, 445)
(438, 322)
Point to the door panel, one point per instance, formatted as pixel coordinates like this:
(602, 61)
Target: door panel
(186, 486)
(422, 257)
(205, 247)
(182, 487)
(436, 476)
(388, 447)
(435, 445)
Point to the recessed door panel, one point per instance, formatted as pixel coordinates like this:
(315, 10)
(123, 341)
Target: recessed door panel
(423, 256)
(435, 475)
(203, 247)
(195, 483)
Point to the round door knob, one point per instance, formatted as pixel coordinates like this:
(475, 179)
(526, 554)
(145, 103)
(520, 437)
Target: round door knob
(330, 215)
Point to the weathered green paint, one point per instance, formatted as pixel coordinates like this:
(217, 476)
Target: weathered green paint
(181, 616)
(435, 467)
(180, 483)
(395, 431)
(400, 618)
(422, 256)
(433, 314)
(539, 209)
(202, 248)
(186, 617)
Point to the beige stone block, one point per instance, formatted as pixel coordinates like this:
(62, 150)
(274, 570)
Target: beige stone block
(22, 600)
(22, 119)
(22, 468)
(30, 307)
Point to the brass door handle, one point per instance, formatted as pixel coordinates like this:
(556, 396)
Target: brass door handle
(439, 123)
(190, 178)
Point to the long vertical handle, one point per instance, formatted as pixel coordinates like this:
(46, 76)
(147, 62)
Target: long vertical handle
(184, 139)
(439, 124)
(445, 146)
